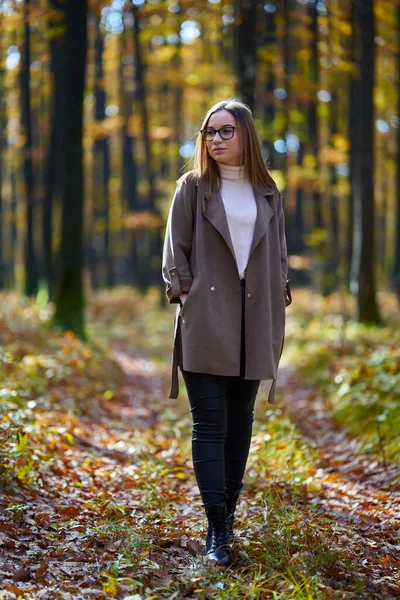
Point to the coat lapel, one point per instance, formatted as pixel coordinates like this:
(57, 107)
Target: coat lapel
(264, 215)
(215, 212)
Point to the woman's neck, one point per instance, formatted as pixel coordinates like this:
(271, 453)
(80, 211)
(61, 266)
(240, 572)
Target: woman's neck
(232, 172)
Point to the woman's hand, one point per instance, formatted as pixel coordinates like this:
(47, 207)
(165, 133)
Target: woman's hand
(183, 298)
(287, 293)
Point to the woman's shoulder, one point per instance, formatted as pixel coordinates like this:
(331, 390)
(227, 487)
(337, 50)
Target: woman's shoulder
(189, 179)
(186, 190)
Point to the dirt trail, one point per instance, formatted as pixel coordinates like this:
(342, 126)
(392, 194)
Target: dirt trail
(359, 493)
(64, 519)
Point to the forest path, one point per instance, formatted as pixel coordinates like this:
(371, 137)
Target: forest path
(360, 494)
(119, 513)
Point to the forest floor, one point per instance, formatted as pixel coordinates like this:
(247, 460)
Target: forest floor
(99, 498)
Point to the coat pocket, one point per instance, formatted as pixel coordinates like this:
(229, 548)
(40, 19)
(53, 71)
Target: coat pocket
(188, 299)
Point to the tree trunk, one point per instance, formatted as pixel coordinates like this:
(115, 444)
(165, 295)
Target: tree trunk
(142, 98)
(269, 103)
(129, 169)
(31, 276)
(101, 174)
(150, 243)
(363, 168)
(396, 274)
(283, 162)
(178, 90)
(55, 167)
(70, 294)
(353, 135)
(313, 133)
(2, 149)
(245, 50)
(334, 262)
(299, 229)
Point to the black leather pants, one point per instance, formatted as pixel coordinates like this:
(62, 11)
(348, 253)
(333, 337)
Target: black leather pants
(223, 413)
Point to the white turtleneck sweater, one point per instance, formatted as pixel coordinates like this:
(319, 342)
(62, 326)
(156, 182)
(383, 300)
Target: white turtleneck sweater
(241, 211)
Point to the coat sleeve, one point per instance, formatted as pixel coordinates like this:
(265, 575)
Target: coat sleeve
(284, 258)
(178, 243)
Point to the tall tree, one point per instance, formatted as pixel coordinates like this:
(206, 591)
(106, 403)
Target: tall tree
(362, 177)
(54, 175)
(354, 139)
(141, 94)
(178, 92)
(101, 172)
(2, 149)
(269, 105)
(286, 78)
(245, 50)
(129, 171)
(396, 274)
(152, 242)
(297, 232)
(31, 276)
(312, 117)
(70, 301)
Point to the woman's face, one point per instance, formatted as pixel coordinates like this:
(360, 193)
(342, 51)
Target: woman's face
(225, 152)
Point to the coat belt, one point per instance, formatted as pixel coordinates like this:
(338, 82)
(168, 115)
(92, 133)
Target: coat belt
(174, 392)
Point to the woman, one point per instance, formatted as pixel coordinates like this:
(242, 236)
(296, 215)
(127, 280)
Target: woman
(225, 265)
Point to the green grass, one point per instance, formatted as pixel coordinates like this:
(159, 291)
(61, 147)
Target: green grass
(357, 368)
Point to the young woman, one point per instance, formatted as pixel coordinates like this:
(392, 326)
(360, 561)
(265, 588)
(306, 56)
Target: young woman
(225, 265)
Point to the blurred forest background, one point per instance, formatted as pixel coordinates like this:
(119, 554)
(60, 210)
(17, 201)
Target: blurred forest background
(100, 103)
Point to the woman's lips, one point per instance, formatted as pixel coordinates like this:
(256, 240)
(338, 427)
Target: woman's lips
(219, 150)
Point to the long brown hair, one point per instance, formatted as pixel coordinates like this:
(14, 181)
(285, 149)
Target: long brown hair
(205, 168)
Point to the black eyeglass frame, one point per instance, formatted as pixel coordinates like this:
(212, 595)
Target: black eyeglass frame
(203, 132)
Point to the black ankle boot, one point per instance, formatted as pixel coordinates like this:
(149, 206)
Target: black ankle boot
(217, 542)
(231, 501)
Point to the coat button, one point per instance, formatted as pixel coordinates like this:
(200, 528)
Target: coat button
(248, 295)
(212, 289)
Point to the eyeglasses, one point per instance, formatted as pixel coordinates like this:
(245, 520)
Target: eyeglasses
(226, 133)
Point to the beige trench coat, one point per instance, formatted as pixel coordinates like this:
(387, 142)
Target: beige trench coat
(199, 259)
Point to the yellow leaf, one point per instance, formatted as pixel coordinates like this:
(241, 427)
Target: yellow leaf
(24, 471)
(345, 27)
(110, 586)
(22, 441)
(340, 142)
(69, 438)
(309, 160)
(304, 54)
(193, 79)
